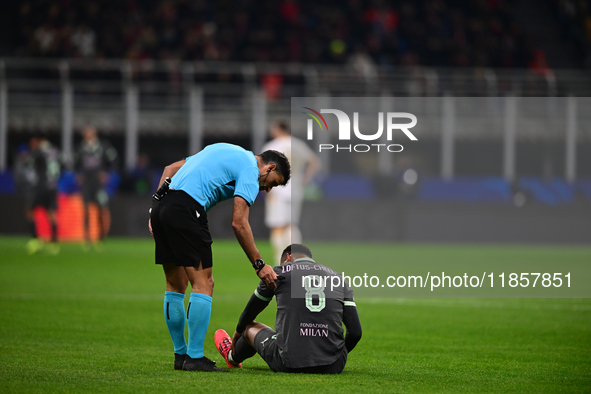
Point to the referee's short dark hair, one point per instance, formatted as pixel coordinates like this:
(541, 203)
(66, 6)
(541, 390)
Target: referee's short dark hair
(280, 160)
(296, 248)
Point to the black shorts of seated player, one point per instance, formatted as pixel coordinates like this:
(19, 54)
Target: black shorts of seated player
(265, 344)
(181, 231)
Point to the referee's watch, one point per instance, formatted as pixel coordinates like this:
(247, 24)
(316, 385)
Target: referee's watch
(258, 265)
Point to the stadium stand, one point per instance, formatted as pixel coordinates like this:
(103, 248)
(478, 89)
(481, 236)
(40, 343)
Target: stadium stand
(291, 48)
(430, 33)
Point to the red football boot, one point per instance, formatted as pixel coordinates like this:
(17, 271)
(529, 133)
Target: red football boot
(223, 343)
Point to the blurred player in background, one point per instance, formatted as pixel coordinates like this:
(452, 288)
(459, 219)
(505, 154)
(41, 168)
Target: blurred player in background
(24, 178)
(179, 225)
(309, 336)
(94, 160)
(284, 205)
(42, 170)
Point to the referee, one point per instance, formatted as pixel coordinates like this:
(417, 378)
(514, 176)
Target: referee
(178, 223)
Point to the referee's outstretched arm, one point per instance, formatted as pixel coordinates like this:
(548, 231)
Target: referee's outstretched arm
(244, 235)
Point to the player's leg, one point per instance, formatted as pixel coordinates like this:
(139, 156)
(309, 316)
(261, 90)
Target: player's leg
(34, 244)
(53, 221)
(53, 247)
(106, 217)
(245, 345)
(103, 214)
(51, 207)
(86, 201)
(264, 341)
(174, 309)
(280, 239)
(223, 344)
(242, 348)
(29, 214)
(278, 219)
(296, 210)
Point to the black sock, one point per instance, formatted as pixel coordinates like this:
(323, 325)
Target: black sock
(32, 229)
(53, 232)
(243, 351)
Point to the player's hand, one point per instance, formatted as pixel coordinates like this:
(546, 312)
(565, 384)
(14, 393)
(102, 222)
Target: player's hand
(150, 227)
(268, 276)
(235, 337)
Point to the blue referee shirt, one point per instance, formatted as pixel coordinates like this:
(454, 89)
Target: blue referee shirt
(218, 173)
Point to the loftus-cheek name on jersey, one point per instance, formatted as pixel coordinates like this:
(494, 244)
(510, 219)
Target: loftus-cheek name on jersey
(303, 267)
(313, 330)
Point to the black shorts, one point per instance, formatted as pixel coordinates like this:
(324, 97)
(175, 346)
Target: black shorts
(46, 198)
(265, 343)
(95, 193)
(181, 232)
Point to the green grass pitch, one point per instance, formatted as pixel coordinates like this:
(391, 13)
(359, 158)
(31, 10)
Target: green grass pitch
(89, 322)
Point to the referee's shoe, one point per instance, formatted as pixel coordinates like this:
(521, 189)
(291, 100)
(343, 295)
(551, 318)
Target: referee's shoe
(201, 364)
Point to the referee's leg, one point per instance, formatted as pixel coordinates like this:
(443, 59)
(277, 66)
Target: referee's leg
(174, 309)
(199, 309)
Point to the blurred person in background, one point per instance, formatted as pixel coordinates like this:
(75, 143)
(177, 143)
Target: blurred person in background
(94, 160)
(24, 177)
(39, 172)
(140, 180)
(284, 205)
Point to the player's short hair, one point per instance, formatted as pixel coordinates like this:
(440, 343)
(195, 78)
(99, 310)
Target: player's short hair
(280, 161)
(283, 125)
(298, 249)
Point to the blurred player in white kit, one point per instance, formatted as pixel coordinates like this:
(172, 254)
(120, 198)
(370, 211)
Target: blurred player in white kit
(283, 206)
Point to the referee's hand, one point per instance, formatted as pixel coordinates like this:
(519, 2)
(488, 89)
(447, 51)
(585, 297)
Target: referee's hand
(268, 276)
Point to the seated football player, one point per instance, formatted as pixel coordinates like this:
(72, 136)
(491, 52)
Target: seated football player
(309, 322)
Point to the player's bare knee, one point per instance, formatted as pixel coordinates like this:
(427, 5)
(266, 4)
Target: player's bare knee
(250, 332)
(252, 329)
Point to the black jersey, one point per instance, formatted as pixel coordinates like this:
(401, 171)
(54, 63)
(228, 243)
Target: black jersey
(94, 157)
(47, 168)
(310, 312)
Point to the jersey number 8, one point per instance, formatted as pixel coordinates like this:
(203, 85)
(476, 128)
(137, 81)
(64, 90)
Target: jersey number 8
(311, 291)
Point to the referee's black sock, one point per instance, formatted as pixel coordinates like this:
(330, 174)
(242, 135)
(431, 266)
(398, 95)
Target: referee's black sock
(243, 351)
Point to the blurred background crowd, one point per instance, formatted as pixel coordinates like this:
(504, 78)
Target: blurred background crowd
(458, 33)
(159, 79)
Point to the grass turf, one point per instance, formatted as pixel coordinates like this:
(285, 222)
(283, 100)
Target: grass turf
(92, 322)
